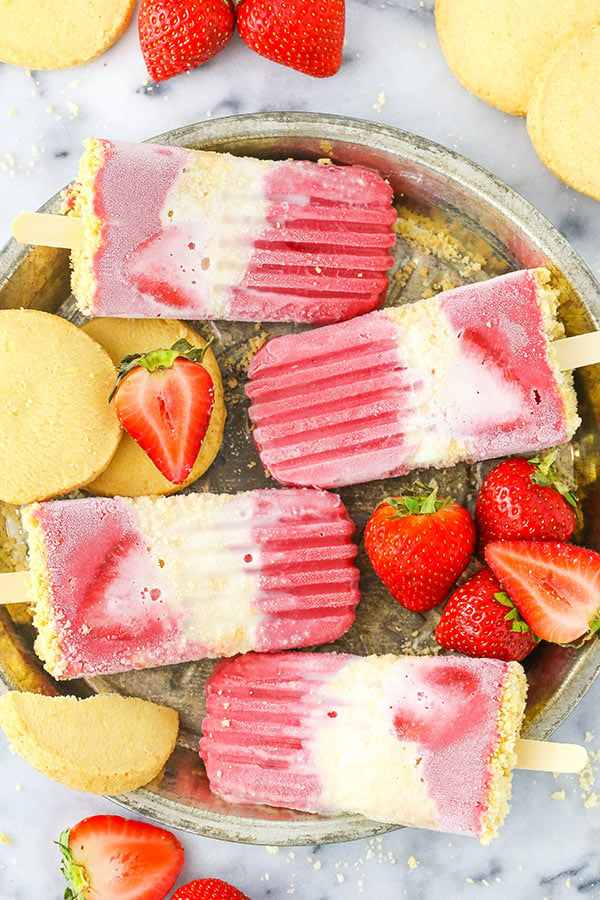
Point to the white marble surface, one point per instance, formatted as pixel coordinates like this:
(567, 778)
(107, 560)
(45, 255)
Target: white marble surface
(393, 73)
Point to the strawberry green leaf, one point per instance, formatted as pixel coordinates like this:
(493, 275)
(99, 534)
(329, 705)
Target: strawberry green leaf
(417, 504)
(71, 870)
(513, 616)
(545, 476)
(159, 359)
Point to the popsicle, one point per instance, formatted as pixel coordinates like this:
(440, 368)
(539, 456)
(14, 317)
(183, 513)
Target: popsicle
(469, 374)
(120, 583)
(423, 741)
(165, 231)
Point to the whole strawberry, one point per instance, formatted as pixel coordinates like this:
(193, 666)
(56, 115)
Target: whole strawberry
(164, 400)
(419, 545)
(307, 36)
(208, 889)
(480, 619)
(524, 500)
(177, 35)
(112, 858)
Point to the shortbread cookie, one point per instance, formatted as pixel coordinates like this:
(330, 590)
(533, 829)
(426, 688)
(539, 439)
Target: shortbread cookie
(105, 744)
(131, 472)
(57, 432)
(563, 119)
(52, 34)
(497, 47)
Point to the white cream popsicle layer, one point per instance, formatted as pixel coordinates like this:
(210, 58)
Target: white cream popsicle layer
(124, 583)
(423, 741)
(200, 235)
(466, 375)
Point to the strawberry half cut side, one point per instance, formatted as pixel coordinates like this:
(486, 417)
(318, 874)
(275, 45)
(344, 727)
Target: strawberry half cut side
(555, 586)
(112, 858)
(164, 400)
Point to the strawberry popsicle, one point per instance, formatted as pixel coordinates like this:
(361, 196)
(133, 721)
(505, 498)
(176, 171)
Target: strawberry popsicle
(202, 235)
(466, 375)
(123, 583)
(423, 741)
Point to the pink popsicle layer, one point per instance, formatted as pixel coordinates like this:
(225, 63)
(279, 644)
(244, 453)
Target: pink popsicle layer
(192, 234)
(415, 741)
(466, 375)
(123, 583)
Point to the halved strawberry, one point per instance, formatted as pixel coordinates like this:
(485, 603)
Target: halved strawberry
(164, 400)
(112, 858)
(555, 586)
(208, 889)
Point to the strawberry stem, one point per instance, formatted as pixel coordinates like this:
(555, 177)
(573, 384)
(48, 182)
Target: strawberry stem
(72, 871)
(513, 616)
(545, 475)
(159, 359)
(416, 504)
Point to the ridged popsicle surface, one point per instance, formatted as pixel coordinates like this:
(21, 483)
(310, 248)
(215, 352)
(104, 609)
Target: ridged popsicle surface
(124, 583)
(424, 741)
(466, 375)
(202, 235)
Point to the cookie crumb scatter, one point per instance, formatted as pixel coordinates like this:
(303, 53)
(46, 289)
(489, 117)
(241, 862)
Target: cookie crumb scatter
(73, 108)
(412, 863)
(11, 112)
(559, 795)
(381, 101)
(272, 849)
(4, 838)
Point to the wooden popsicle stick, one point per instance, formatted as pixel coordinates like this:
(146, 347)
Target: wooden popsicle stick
(49, 231)
(579, 350)
(14, 587)
(546, 756)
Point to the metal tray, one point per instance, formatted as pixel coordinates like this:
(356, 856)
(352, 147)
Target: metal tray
(459, 223)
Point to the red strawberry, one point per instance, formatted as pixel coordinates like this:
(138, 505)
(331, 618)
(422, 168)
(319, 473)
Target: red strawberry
(305, 36)
(208, 889)
(164, 399)
(112, 858)
(555, 586)
(480, 619)
(524, 500)
(419, 546)
(177, 35)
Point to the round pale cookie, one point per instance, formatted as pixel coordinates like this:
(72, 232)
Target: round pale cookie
(131, 472)
(563, 120)
(105, 744)
(52, 34)
(497, 47)
(57, 430)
